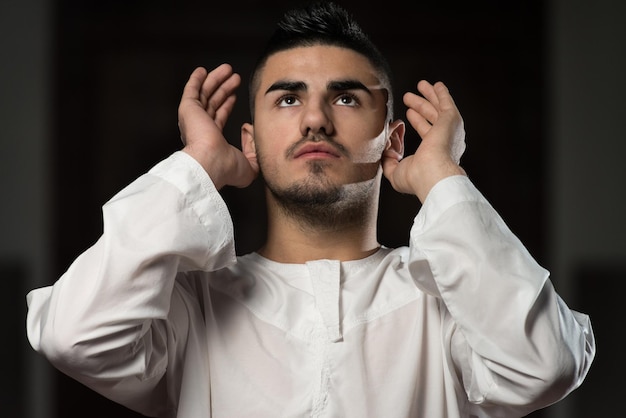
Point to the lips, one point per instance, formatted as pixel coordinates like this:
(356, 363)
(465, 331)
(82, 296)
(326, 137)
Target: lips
(321, 150)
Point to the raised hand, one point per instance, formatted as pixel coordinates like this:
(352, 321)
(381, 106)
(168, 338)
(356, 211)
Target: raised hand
(437, 120)
(206, 104)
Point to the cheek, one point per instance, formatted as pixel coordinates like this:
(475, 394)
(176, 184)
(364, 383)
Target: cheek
(263, 157)
(267, 157)
(372, 150)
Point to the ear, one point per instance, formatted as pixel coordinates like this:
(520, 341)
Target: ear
(395, 137)
(248, 146)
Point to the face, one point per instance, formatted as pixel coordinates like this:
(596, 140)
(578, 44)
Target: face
(320, 123)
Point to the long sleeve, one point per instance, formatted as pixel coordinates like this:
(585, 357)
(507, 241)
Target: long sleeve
(107, 321)
(511, 338)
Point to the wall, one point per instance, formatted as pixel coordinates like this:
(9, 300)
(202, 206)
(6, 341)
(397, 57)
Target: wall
(26, 65)
(586, 64)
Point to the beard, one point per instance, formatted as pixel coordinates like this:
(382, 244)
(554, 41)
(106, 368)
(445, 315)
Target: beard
(317, 202)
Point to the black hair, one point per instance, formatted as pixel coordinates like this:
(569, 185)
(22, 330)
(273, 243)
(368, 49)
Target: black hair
(322, 23)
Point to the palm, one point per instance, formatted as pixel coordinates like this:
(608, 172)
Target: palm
(207, 102)
(439, 124)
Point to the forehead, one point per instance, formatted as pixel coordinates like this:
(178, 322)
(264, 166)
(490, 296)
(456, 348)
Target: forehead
(318, 64)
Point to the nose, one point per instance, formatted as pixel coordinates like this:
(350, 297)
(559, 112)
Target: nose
(316, 118)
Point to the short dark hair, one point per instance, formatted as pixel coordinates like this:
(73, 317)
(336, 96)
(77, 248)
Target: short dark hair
(322, 23)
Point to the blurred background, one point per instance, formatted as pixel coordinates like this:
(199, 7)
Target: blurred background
(88, 99)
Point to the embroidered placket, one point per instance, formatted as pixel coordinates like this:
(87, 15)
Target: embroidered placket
(326, 280)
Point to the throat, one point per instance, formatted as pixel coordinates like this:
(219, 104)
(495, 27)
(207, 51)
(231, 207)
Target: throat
(299, 247)
(311, 230)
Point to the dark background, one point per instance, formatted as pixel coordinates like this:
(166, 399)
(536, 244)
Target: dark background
(115, 74)
(122, 68)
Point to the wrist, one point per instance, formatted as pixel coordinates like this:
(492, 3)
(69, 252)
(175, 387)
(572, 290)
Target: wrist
(430, 175)
(209, 163)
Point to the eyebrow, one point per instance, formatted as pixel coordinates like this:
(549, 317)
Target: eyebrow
(335, 85)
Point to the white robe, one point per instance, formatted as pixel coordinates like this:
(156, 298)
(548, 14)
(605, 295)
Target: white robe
(161, 316)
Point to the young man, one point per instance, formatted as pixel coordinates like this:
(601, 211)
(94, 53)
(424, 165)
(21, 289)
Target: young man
(323, 321)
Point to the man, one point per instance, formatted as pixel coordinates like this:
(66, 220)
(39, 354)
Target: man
(323, 321)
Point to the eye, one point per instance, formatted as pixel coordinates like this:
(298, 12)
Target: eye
(347, 99)
(287, 101)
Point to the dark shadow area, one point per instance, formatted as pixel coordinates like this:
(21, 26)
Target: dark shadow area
(601, 287)
(13, 275)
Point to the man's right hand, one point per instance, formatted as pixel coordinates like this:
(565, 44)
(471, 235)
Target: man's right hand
(206, 104)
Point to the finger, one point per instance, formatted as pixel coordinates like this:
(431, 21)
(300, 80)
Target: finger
(396, 172)
(191, 90)
(389, 165)
(428, 91)
(446, 102)
(246, 169)
(223, 94)
(212, 81)
(421, 106)
(418, 122)
(223, 112)
(393, 153)
(219, 84)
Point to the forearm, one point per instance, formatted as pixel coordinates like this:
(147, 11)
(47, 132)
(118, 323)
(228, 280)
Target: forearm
(515, 341)
(168, 221)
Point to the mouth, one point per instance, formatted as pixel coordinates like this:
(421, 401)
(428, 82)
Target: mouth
(317, 150)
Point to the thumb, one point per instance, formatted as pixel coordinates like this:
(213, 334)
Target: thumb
(390, 161)
(246, 169)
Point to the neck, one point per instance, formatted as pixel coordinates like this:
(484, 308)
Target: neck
(296, 245)
(292, 238)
